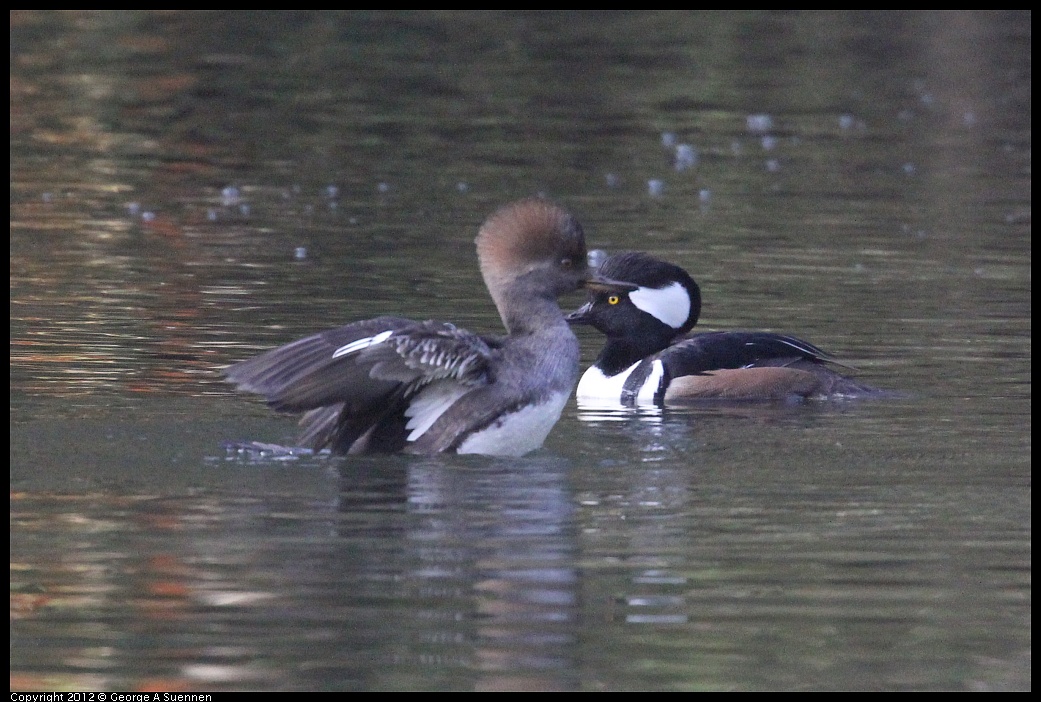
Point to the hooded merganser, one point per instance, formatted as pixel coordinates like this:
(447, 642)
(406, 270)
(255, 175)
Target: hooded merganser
(391, 384)
(647, 358)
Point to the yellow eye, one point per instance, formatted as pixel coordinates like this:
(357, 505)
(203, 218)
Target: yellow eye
(613, 300)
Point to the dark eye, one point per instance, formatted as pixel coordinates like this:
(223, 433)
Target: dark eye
(613, 299)
(566, 263)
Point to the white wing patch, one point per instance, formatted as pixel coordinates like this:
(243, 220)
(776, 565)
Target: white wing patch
(431, 402)
(670, 304)
(362, 343)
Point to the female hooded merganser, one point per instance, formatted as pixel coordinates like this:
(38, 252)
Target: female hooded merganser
(390, 384)
(647, 358)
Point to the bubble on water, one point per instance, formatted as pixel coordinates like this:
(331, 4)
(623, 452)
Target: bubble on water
(230, 196)
(596, 258)
(759, 123)
(686, 157)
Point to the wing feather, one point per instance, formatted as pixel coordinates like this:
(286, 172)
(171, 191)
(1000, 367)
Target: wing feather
(355, 384)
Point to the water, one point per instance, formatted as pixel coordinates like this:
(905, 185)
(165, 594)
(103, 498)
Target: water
(861, 180)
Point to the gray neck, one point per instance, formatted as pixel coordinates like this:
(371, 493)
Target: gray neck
(526, 306)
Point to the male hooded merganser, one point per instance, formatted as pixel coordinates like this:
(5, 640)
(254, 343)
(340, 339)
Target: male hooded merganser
(647, 358)
(391, 384)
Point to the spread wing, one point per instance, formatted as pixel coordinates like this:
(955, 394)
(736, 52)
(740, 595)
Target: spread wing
(356, 384)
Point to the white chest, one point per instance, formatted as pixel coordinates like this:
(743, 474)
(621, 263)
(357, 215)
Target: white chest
(594, 385)
(519, 432)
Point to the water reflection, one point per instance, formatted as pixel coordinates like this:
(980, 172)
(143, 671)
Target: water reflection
(503, 539)
(221, 592)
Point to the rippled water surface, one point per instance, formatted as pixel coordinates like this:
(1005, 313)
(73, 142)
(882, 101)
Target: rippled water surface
(188, 188)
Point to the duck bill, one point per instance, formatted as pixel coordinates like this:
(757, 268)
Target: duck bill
(581, 315)
(600, 284)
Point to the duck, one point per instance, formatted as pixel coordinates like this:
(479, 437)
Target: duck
(391, 384)
(650, 356)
